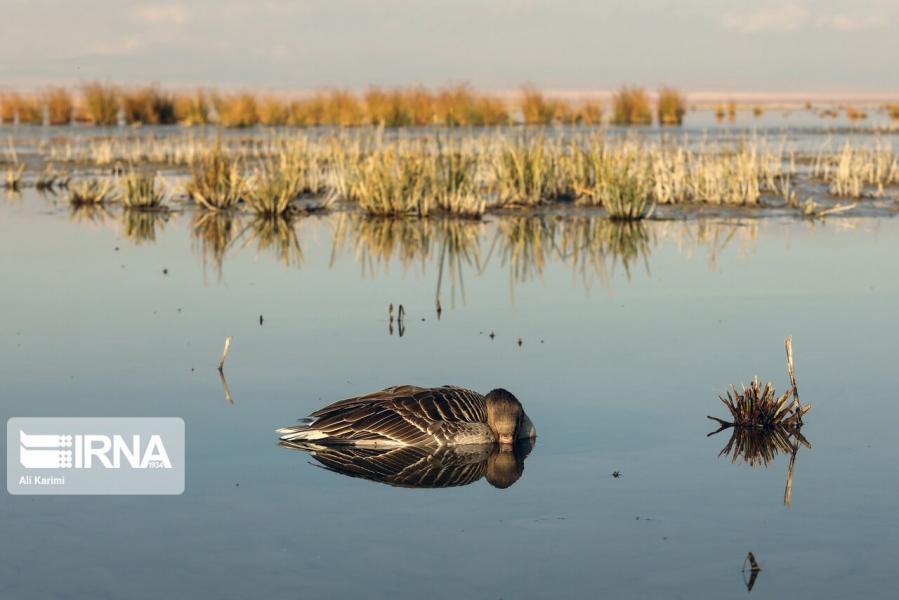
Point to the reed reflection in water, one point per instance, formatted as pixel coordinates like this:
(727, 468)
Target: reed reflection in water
(141, 226)
(593, 247)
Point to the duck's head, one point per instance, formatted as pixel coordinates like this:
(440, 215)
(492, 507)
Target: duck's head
(506, 417)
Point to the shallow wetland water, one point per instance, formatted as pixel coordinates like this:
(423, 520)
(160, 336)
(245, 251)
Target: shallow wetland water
(627, 336)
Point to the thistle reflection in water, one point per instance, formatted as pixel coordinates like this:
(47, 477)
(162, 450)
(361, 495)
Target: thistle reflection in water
(759, 448)
(424, 467)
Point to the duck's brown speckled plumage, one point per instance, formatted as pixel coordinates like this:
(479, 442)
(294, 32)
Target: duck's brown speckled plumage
(402, 415)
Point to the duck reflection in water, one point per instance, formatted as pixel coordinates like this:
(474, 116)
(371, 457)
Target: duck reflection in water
(424, 467)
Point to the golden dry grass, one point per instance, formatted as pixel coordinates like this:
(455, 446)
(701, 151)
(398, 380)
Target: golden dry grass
(630, 106)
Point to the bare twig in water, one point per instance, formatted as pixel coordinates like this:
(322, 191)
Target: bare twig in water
(225, 353)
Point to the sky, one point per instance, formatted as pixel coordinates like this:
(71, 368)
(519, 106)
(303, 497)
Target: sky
(827, 46)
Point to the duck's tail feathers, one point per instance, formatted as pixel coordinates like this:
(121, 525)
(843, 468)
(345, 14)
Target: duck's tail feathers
(304, 431)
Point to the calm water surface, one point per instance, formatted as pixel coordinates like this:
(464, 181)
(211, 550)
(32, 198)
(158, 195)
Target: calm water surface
(627, 337)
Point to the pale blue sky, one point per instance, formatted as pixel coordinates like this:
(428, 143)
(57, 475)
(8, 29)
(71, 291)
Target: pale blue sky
(729, 45)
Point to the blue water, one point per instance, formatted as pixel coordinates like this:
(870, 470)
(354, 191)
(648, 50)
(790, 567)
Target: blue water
(617, 368)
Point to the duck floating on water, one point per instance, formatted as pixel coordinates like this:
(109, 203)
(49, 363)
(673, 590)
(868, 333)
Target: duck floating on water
(408, 415)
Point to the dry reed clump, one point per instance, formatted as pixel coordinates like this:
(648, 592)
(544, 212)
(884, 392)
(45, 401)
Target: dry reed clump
(855, 114)
(22, 109)
(216, 181)
(731, 111)
(630, 106)
(617, 178)
(758, 110)
(854, 170)
(398, 179)
(14, 173)
(237, 111)
(100, 103)
(148, 106)
(273, 112)
(584, 113)
(272, 187)
(523, 172)
(142, 191)
(453, 180)
(536, 109)
(91, 192)
(460, 105)
(758, 407)
(625, 193)
(59, 105)
(390, 182)
(192, 109)
(392, 109)
(671, 107)
(893, 111)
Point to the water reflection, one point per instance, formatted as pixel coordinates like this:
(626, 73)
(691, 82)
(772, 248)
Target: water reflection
(141, 226)
(90, 214)
(424, 467)
(758, 447)
(213, 234)
(449, 251)
(278, 236)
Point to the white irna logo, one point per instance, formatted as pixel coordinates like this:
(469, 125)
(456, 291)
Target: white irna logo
(87, 451)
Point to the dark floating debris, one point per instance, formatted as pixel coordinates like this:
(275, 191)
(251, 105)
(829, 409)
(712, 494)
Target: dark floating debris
(439, 309)
(616, 474)
(752, 569)
(261, 320)
(165, 271)
(492, 335)
(520, 342)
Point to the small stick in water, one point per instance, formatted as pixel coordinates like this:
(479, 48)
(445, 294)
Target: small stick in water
(797, 407)
(225, 353)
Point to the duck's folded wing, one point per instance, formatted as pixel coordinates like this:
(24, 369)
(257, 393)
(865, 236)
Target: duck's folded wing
(401, 415)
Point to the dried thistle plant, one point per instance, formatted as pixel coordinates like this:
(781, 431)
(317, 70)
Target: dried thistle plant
(760, 407)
